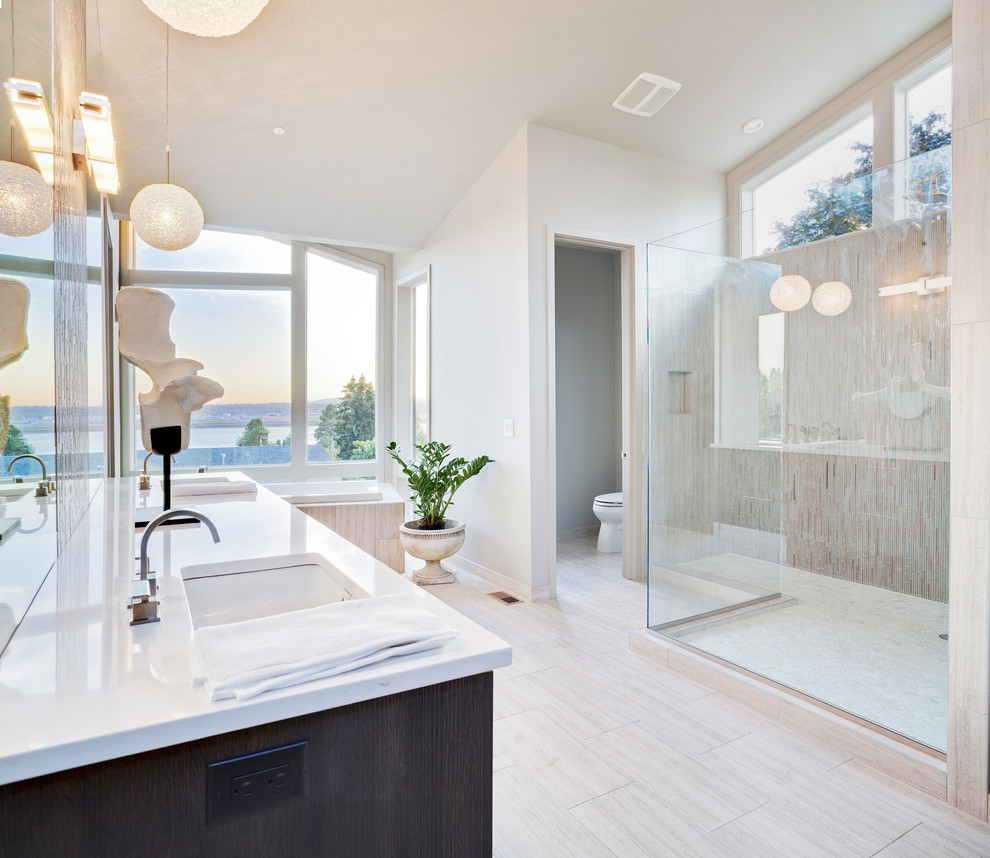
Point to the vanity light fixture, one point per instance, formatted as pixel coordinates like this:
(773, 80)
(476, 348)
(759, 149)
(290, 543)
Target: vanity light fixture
(207, 17)
(101, 149)
(832, 298)
(28, 100)
(26, 200)
(924, 286)
(790, 292)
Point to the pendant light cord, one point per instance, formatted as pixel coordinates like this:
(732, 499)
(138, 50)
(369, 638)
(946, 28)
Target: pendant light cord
(168, 147)
(13, 71)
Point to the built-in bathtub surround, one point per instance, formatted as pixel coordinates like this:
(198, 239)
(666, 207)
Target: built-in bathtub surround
(793, 445)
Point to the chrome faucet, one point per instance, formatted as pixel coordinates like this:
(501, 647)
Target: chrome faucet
(144, 591)
(43, 486)
(144, 484)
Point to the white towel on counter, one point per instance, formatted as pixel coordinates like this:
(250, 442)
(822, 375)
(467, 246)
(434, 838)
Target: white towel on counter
(201, 489)
(247, 658)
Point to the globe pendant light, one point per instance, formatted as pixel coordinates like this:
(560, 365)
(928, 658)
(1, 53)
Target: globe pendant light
(790, 292)
(832, 298)
(164, 215)
(26, 200)
(214, 18)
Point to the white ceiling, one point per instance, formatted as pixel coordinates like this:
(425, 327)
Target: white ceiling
(393, 108)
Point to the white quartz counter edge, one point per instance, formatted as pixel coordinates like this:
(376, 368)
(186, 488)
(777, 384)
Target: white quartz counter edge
(146, 700)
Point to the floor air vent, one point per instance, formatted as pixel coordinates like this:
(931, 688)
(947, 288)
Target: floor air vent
(505, 597)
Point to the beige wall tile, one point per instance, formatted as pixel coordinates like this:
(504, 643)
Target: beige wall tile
(971, 62)
(970, 466)
(970, 224)
(969, 614)
(967, 761)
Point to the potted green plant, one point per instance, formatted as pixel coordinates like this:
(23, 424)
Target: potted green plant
(433, 479)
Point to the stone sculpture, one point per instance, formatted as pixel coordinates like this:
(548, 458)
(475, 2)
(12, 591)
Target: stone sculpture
(143, 316)
(13, 338)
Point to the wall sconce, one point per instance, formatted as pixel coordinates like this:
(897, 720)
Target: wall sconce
(101, 149)
(28, 100)
(924, 286)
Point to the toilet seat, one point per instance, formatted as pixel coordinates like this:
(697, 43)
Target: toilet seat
(610, 499)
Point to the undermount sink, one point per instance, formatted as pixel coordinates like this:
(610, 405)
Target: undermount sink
(238, 590)
(15, 492)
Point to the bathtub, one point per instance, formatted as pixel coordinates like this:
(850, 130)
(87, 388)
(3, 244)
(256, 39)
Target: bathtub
(328, 492)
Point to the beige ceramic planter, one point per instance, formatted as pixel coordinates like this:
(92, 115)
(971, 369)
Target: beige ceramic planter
(432, 546)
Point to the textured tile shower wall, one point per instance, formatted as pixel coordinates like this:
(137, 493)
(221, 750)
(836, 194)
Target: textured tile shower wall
(71, 394)
(881, 518)
(867, 500)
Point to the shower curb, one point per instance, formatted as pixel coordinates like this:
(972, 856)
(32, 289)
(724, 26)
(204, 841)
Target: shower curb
(900, 758)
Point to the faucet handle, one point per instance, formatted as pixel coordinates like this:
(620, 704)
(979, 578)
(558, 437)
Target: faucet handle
(143, 603)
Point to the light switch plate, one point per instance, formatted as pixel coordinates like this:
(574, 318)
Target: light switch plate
(508, 428)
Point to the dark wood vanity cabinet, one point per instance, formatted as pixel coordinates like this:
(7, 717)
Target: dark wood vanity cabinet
(405, 775)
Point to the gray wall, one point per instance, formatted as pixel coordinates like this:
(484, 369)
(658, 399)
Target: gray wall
(588, 382)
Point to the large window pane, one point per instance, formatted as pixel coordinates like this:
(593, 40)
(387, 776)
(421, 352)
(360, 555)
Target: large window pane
(30, 380)
(218, 251)
(819, 195)
(241, 336)
(341, 307)
(421, 363)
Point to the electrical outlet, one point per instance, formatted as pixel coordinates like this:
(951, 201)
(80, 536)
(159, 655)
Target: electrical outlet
(262, 784)
(256, 781)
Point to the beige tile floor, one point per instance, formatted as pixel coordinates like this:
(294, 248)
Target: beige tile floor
(598, 752)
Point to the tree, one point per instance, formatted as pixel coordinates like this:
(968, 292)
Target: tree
(845, 203)
(285, 442)
(348, 421)
(17, 444)
(254, 435)
(837, 206)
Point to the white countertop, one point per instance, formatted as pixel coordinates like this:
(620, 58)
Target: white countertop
(79, 685)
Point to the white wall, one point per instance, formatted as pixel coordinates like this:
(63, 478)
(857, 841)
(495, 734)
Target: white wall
(587, 378)
(479, 361)
(585, 188)
(490, 337)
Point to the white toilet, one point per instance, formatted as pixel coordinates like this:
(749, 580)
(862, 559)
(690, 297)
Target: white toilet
(608, 509)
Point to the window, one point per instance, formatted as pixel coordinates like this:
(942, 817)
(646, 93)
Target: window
(826, 192)
(421, 363)
(412, 344)
(283, 328)
(341, 343)
(927, 108)
(771, 358)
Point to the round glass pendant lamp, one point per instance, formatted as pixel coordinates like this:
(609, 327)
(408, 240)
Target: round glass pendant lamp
(790, 292)
(214, 18)
(166, 216)
(832, 298)
(25, 200)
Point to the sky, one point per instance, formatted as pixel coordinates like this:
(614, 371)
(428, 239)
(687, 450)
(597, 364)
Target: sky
(240, 335)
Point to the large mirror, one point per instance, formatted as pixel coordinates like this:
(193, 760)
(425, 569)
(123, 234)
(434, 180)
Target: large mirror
(28, 543)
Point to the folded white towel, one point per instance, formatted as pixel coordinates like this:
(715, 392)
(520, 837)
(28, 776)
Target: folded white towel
(229, 487)
(245, 659)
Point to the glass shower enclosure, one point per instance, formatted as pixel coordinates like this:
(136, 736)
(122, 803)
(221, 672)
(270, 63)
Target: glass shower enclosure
(799, 451)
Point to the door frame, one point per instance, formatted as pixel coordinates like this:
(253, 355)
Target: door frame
(632, 291)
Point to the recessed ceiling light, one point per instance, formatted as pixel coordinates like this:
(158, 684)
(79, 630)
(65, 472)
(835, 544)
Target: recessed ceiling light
(753, 125)
(278, 129)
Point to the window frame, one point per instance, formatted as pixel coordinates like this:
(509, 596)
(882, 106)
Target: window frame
(295, 282)
(878, 88)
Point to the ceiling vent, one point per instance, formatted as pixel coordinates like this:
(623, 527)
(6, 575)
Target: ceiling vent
(647, 94)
